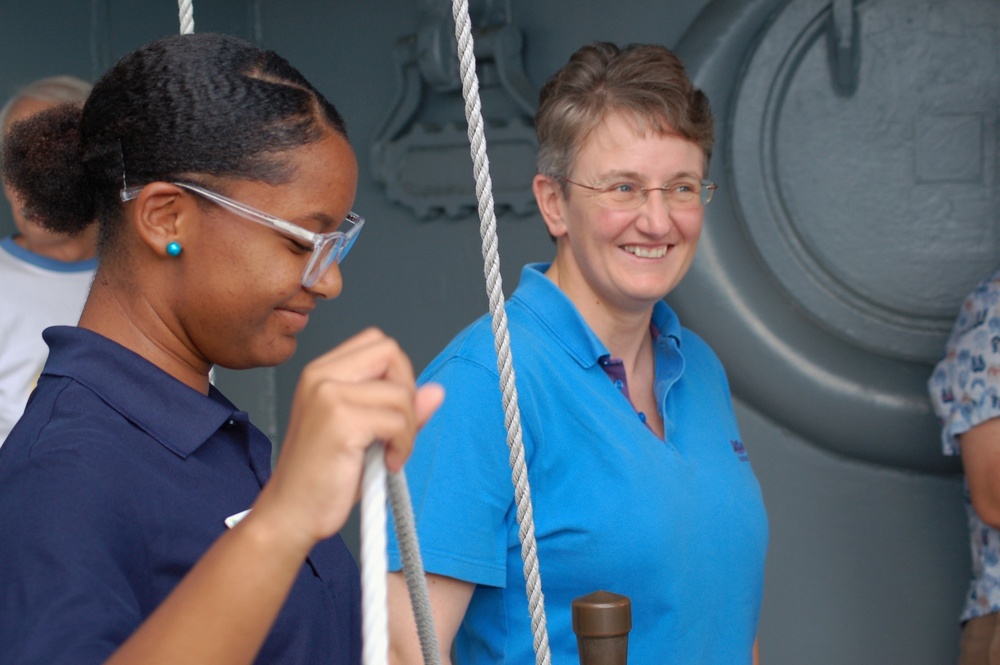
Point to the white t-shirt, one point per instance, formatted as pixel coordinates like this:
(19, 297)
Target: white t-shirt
(35, 292)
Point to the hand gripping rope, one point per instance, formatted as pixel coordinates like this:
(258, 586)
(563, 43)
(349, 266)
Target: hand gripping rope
(375, 480)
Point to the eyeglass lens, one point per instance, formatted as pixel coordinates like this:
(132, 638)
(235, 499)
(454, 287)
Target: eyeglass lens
(326, 253)
(681, 197)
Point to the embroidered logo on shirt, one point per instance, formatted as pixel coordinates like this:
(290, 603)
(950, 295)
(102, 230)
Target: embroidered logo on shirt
(740, 451)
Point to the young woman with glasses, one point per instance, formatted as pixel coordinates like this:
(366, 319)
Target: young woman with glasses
(223, 184)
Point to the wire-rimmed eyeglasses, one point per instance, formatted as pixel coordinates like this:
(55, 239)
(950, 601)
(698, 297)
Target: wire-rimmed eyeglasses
(326, 247)
(624, 195)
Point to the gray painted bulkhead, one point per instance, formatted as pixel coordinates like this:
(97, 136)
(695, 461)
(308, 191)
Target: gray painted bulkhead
(858, 202)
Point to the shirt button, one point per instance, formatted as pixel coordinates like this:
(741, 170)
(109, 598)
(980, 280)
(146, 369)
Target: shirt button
(231, 423)
(642, 417)
(619, 385)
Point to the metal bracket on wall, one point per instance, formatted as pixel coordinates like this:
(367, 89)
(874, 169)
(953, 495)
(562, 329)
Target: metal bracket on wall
(844, 47)
(421, 153)
(827, 298)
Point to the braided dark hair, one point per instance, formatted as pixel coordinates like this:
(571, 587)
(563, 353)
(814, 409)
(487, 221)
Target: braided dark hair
(202, 103)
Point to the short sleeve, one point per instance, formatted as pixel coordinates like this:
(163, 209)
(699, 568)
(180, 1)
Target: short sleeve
(459, 479)
(965, 386)
(66, 594)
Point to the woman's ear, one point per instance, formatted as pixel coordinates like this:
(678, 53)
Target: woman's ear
(551, 203)
(159, 215)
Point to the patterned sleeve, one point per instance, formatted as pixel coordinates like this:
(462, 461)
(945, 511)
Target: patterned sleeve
(965, 385)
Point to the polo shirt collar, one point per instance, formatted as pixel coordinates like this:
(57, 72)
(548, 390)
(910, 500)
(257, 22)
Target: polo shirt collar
(10, 246)
(174, 414)
(557, 314)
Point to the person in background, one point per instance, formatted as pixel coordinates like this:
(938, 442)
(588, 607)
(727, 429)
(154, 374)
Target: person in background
(965, 391)
(640, 481)
(44, 275)
(222, 182)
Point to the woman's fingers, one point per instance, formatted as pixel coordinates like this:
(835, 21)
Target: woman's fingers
(428, 398)
(361, 391)
(368, 355)
(426, 401)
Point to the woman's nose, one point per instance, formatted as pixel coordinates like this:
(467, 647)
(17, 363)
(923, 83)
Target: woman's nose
(330, 282)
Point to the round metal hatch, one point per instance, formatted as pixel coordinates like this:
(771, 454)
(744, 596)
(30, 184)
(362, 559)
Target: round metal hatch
(858, 204)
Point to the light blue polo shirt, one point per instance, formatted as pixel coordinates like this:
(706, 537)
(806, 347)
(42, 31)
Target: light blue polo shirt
(678, 525)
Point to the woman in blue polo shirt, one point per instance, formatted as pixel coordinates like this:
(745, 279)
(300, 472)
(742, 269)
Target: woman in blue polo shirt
(122, 484)
(640, 482)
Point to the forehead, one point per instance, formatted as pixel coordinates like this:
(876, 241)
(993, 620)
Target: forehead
(326, 175)
(621, 143)
(317, 196)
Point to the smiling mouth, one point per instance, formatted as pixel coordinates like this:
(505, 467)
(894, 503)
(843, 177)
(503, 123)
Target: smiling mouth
(646, 252)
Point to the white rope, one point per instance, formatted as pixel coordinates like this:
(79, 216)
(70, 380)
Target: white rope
(374, 561)
(186, 11)
(491, 269)
(413, 567)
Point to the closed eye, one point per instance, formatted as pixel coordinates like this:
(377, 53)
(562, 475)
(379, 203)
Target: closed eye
(299, 247)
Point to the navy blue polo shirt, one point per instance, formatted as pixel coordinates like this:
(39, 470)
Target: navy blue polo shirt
(112, 485)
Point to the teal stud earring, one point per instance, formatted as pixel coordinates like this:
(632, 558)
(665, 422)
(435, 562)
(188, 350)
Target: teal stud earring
(174, 249)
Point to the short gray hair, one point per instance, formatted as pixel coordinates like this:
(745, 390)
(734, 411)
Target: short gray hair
(645, 82)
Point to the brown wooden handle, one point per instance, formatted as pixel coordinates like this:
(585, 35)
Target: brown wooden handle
(601, 621)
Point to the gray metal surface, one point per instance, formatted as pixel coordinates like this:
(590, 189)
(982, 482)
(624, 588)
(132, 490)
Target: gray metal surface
(849, 223)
